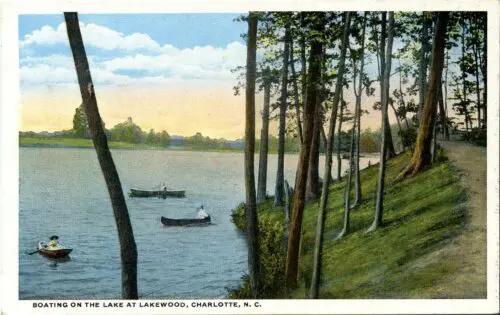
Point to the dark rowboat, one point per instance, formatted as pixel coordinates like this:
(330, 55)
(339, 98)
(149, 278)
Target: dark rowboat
(60, 252)
(184, 222)
(157, 193)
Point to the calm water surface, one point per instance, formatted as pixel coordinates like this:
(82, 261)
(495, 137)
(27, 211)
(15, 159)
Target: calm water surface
(62, 191)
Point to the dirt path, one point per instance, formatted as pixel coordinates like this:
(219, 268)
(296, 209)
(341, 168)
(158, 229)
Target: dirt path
(470, 246)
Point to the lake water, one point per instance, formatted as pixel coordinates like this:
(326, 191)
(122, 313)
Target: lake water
(62, 192)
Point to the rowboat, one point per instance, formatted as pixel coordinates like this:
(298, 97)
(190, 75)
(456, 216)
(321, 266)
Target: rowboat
(59, 252)
(157, 193)
(184, 222)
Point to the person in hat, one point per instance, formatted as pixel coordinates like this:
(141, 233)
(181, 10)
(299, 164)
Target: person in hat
(54, 243)
(202, 214)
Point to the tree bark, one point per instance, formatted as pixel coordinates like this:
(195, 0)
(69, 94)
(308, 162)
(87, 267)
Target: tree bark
(264, 145)
(339, 138)
(296, 94)
(423, 65)
(377, 221)
(312, 187)
(388, 137)
(252, 227)
(318, 244)
(442, 114)
(422, 155)
(128, 249)
(478, 91)
(464, 91)
(314, 78)
(280, 178)
(357, 179)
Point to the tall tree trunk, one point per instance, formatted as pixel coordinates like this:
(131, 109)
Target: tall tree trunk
(339, 138)
(312, 186)
(422, 155)
(303, 64)
(377, 221)
(347, 192)
(280, 177)
(252, 227)
(478, 91)
(296, 94)
(447, 135)
(264, 144)
(357, 179)
(318, 244)
(423, 65)
(314, 78)
(483, 70)
(442, 114)
(464, 91)
(128, 249)
(388, 137)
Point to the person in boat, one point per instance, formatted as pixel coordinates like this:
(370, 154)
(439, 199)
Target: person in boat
(54, 242)
(202, 214)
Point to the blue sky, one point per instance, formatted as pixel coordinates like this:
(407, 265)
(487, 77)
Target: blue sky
(135, 57)
(180, 30)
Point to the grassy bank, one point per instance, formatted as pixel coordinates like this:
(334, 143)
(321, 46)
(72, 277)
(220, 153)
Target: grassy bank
(421, 214)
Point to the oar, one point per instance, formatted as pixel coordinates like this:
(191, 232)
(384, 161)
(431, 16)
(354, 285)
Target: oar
(34, 252)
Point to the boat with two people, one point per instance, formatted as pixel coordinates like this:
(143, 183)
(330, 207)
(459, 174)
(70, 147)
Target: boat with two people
(202, 218)
(161, 192)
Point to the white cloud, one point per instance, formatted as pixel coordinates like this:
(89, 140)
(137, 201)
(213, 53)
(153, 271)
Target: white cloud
(155, 65)
(93, 35)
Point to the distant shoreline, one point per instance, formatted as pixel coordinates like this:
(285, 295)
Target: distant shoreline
(75, 143)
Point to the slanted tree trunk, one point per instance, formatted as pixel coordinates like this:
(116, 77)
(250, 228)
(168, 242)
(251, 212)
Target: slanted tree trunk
(280, 177)
(314, 78)
(377, 221)
(264, 143)
(252, 227)
(128, 249)
(295, 94)
(422, 155)
(339, 138)
(318, 244)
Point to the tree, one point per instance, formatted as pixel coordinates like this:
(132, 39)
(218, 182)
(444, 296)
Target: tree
(80, 125)
(128, 249)
(357, 114)
(318, 244)
(250, 205)
(313, 80)
(383, 62)
(280, 178)
(422, 157)
(264, 140)
(377, 221)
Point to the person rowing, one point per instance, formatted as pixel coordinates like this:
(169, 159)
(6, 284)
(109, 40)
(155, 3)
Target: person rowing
(202, 214)
(54, 242)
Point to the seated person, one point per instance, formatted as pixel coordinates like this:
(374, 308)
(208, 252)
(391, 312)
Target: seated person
(53, 243)
(202, 214)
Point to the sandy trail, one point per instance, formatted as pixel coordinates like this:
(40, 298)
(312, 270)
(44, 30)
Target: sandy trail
(470, 245)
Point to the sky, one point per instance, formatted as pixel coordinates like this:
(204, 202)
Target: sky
(167, 71)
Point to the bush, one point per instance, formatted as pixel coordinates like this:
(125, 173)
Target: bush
(476, 136)
(272, 258)
(408, 137)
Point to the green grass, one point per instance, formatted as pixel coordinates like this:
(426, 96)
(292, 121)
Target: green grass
(421, 215)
